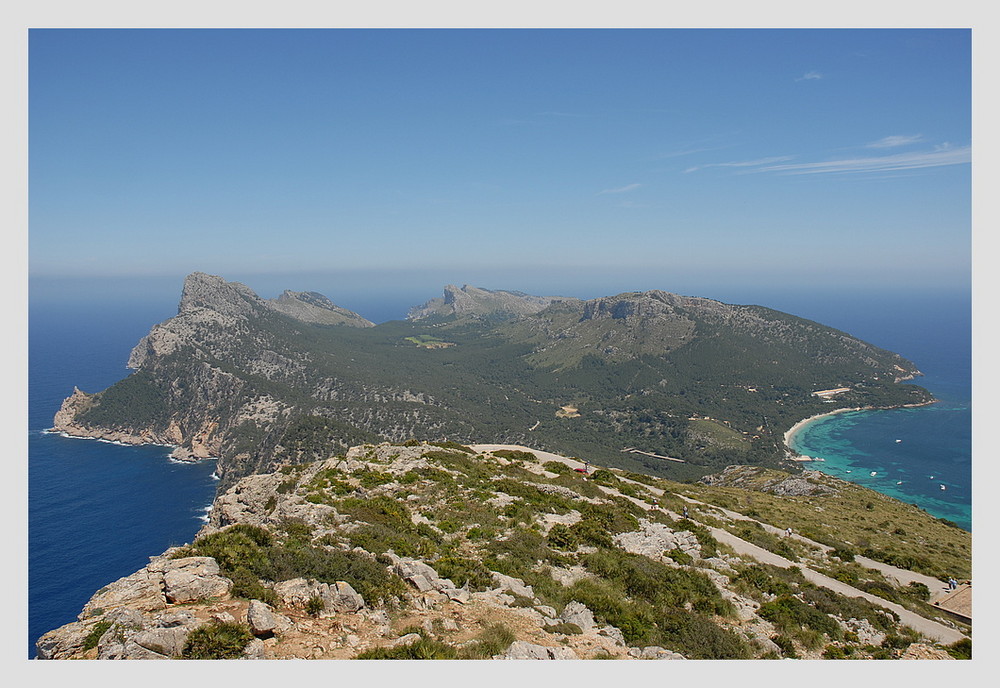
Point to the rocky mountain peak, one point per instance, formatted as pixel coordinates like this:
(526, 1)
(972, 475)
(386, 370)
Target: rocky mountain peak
(209, 291)
(477, 302)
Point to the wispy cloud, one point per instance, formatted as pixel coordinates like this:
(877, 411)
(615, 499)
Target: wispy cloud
(621, 189)
(939, 157)
(742, 163)
(895, 141)
(810, 76)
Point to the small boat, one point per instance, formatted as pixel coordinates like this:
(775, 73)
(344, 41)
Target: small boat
(943, 487)
(898, 441)
(848, 471)
(900, 482)
(932, 477)
(873, 473)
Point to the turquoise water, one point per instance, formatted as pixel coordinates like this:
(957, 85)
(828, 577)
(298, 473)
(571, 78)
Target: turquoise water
(935, 442)
(932, 452)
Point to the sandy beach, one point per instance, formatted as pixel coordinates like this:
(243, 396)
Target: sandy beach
(806, 421)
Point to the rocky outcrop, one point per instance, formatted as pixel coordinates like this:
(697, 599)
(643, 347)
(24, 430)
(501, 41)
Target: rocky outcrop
(520, 649)
(312, 307)
(320, 531)
(772, 482)
(475, 302)
(655, 539)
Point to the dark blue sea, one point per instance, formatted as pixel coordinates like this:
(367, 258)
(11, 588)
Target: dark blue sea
(98, 511)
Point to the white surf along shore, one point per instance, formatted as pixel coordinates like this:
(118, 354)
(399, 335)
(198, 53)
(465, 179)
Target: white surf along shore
(798, 427)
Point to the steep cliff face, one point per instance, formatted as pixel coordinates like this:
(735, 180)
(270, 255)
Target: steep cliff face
(204, 378)
(381, 553)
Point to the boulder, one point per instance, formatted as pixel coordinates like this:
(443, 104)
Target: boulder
(260, 618)
(460, 595)
(407, 639)
(514, 585)
(166, 642)
(577, 613)
(653, 652)
(614, 633)
(296, 592)
(192, 578)
(254, 649)
(143, 590)
(520, 649)
(343, 598)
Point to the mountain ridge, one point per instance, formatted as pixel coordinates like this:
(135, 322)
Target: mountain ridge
(235, 377)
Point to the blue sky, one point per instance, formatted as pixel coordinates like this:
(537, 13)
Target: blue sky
(574, 162)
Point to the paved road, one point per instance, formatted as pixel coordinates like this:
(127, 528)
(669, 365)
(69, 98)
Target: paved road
(927, 627)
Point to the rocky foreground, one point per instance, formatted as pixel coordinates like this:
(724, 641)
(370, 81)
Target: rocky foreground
(417, 550)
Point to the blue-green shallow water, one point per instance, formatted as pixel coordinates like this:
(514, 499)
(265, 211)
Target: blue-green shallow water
(936, 440)
(932, 452)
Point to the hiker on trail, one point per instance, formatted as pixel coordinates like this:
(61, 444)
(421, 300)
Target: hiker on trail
(788, 532)
(685, 512)
(952, 583)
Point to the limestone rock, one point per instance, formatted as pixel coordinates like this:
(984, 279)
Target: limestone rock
(514, 585)
(142, 590)
(656, 538)
(653, 652)
(343, 598)
(254, 649)
(407, 639)
(520, 649)
(577, 613)
(260, 618)
(192, 578)
(164, 641)
(614, 633)
(63, 642)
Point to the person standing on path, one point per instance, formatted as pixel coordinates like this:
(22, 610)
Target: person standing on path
(788, 531)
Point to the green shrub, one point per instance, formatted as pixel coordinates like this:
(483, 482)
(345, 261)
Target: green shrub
(961, 649)
(603, 476)
(493, 640)
(315, 606)
(679, 556)
(462, 570)
(834, 652)
(514, 455)
(590, 532)
(660, 585)
(564, 628)
(378, 539)
(786, 646)
(217, 640)
(249, 587)
(557, 467)
(843, 554)
(789, 614)
(561, 537)
(94, 637)
(917, 590)
(424, 648)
